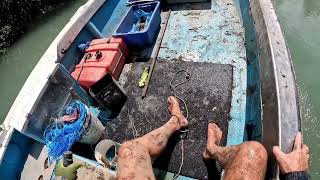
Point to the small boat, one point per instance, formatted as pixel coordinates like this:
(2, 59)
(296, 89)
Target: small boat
(242, 75)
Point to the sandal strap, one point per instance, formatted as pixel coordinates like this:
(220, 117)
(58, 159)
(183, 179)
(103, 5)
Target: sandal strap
(172, 115)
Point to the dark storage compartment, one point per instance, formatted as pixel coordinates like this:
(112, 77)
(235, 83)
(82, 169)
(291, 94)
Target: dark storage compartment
(108, 95)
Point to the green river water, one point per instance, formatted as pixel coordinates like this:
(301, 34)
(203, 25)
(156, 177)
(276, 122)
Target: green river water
(300, 20)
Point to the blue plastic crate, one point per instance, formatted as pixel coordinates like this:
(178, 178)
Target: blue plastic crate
(145, 37)
(133, 2)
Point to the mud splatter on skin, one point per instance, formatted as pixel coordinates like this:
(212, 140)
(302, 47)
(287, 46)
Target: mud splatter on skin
(160, 143)
(201, 90)
(130, 176)
(142, 157)
(126, 152)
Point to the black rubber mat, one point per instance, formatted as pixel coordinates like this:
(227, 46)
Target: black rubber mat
(208, 97)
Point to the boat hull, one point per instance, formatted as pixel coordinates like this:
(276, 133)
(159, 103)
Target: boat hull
(273, 104)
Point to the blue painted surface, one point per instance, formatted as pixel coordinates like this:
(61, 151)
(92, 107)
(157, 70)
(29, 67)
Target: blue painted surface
(73, 55)
(15, 156)
(213, 34)
(142, 38)
(253, 107)
(117, 15)
(106, 20)
(106, 13)
(94, 30)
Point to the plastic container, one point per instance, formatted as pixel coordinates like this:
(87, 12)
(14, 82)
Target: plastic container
(132, 2)
(108, 44)
(108, 95)
(140, 39)
(184, 1)
(93, 129)
(103, 56)
(106, 153)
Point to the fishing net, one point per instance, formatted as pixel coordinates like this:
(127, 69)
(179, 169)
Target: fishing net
(60, 136)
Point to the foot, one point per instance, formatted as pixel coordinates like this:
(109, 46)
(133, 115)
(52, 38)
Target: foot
(174, 110)
(214, 138)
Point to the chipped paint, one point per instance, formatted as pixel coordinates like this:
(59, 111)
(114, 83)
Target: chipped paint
(212, 35)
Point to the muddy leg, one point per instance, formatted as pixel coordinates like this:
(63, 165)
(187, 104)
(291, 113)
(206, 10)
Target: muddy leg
(134, 161)
(245, 161)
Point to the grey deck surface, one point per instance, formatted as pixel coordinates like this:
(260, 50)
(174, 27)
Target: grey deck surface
(34, 165)
(208, 97)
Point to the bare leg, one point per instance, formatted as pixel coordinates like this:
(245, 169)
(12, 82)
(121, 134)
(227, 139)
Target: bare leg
(134, 160)
(245, 161)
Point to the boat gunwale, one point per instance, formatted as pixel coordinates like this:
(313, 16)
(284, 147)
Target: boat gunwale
(268, 38)
(48, 61)
(280, 103)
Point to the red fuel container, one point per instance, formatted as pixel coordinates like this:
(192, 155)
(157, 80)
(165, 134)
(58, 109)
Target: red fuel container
(102, 56)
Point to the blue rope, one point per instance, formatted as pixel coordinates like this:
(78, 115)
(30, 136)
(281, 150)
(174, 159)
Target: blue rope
(60, 136)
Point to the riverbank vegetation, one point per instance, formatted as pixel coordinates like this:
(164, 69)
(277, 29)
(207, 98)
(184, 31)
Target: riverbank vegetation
(16, 15)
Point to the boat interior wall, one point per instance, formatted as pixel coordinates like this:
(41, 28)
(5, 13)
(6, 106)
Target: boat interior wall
(109, 16)
(15, 156)
(25, 159)
(61, 88)
(253, 127)
(73, 28)
(73, 56)
(37, 80)
(105, 20)
(281, 115)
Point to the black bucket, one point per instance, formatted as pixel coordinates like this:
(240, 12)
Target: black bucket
(108, 95)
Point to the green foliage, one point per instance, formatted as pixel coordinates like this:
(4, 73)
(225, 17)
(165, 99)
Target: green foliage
(15, 15)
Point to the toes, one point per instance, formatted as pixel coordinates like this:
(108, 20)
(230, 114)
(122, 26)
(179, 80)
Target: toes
(173, 105)
(174, 109)
(215, 127)
(172, 100)
(214, 134)
(219, 136)
(210, 134)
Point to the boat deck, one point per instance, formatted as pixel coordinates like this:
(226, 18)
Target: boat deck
(207, 39)
(34, 167)
(208, 98)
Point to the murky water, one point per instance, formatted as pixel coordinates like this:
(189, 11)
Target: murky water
(301, 23)
(17, 64)
(300, 20)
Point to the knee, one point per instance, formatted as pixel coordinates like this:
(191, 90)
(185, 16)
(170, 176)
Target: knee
(126, 149)
(254, 148)
(130, 148)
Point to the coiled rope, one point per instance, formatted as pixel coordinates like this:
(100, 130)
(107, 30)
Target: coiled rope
(182, 132)
(59, 136)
